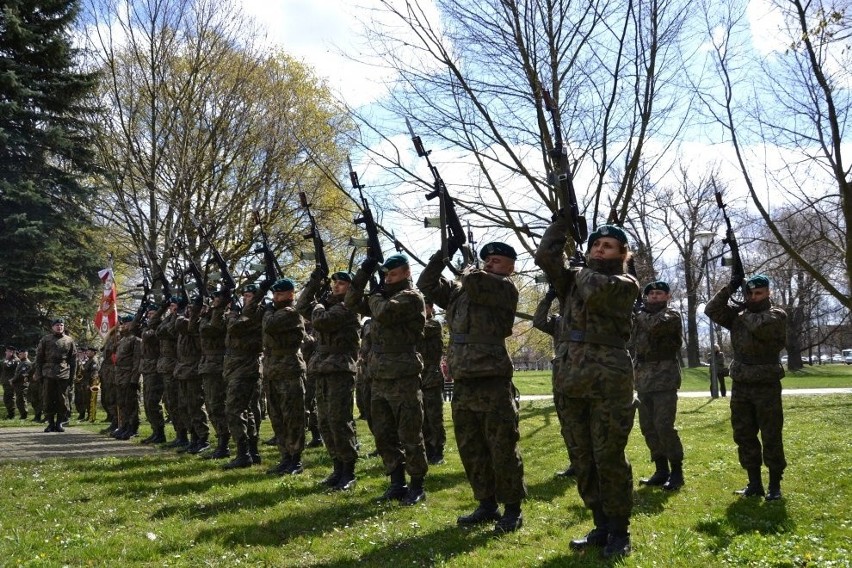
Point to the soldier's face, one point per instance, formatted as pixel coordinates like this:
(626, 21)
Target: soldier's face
(606, 248)
(397, 274)
(657, 297)
(757, 294)
(339, 287)
(280, 297)
(500, 265)
(9, 354)
(58, 328)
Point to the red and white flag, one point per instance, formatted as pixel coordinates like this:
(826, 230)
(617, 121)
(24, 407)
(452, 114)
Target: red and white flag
(107, 315)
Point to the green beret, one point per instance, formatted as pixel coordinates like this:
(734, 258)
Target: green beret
(253, 288)
(395, 261)
(55, 321)
(345, 276)
(152, 308)
(757, 281)
(608, 231)
(283, 285)
(498, 249)
(126, 318)
(176, 300)
(657, 285)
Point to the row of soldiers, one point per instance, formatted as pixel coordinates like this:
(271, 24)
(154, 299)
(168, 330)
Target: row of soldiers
(593, 374)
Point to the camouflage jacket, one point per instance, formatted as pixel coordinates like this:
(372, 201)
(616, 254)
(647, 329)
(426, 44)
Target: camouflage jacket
(107, 369)
(188, 345)
(23, 373)
(128, 359)
(337, 331)
(56, 357)
(244, 341)
(542, 320)
(150, 350)
(399, 315)
(591, 359)
(757, 339)
(656, 341)
(283, 333)
(431, 348)
(365, 350)
(309, 346)
(165, 329)
(480, 314)
(7, 370)
(212, 331)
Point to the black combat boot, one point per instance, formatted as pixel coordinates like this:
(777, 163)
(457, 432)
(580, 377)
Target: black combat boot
(755, 484)
(221, 450)
(347, 477)
(281, 467)
(334, 476)
(415, 493)
(81, 416)
(774, 491)
(597, 537)
(147, 440)
(486, 512)
(397, 489)
(675, 480)
(51, 424)
(37, 417)
(188, 449)
(159, 436)
(295, 465)
(618, 541)
(200, 446)
(242, 459)
(180, 442)
(660, 476)
(24, 415)
(253, 451)
(316, 438)
(511, 520)
(273, 441)
(58, 426)
(569, 471)
(436, 457)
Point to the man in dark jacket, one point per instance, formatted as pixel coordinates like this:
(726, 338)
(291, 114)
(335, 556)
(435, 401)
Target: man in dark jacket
(55, 364)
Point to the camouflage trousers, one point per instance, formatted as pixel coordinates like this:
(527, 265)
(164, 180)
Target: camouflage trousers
(434, 435)
(336, 422)
(82, 397)
(657, 413)
(397, 414)
(756, 408)
(363, 396)
(127, 395)
(191, 406)
(153, 388)
(20, 390)
(287, 397)
(485, 419)
(108, 393)
(9, 398)
(34, 395)
(559, 403)
(215, 389)
(171, 398)
(54, 395)
(312, 419)
(597, 436)
(242, 406)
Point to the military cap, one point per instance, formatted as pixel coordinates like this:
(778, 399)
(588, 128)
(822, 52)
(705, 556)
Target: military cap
(656, 285)
(253, 288)
(55, 321)
(757, 281)
(216, 294)
(345, 276)
(394, 261)
(283, 285)
(498, 249)
(126, 318)
(176, 300)
(152, 308)
(608, 231)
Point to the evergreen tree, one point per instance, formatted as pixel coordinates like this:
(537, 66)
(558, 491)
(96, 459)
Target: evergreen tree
(46, 263)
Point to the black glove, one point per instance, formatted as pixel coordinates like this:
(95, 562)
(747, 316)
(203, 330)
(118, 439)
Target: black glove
(551, 294)
(375, 287)
(198, 300)
(318, 274)
(577, 260)
(369, 264)
(454, 243)
(736, 282)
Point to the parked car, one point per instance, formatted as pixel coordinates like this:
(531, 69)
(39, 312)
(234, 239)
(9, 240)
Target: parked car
(837, 358)
(847, 356)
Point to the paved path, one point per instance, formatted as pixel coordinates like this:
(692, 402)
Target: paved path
(702, 394)
(34, 444)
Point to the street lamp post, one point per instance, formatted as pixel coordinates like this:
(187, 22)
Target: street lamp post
(705, 239)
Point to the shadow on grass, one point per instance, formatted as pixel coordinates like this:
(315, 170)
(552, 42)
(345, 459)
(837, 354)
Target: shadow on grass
(700, 408)
(591, 557)
(651, 500)
(744, 516)
(552, 488)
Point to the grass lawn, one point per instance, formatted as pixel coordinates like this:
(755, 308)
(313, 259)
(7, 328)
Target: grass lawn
(817, 376)
(172, 510)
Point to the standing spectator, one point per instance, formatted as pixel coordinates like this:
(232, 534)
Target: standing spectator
(55, 364)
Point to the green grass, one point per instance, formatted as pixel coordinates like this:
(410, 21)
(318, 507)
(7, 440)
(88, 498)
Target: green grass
(818, 376)
(174, 510)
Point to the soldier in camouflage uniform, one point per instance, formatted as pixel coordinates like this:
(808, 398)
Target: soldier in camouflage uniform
(543, 321)
(190, 388)
(243, 346)
(312, 420)
(211, 330)
(284, 369)
(758, 334)
(128, 357)
(396, 406)
(166, 368)
(333, 366)
(432, 386)
(152, 382)
(107, 379)
(82, 382)
(595, 375)
(7, 371)
(90, 377)
(34, 393)
(55, 364)
(363, 383)
(21, 382)
(656, 340)
(480, 312)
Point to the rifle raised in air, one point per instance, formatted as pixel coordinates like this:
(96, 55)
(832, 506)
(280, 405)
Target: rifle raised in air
(451, 227)
(562, 180)
(272, 269)
(318, 256)
(374, 246)
(736, 262)
(228, 283)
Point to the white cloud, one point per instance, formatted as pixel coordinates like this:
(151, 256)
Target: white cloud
(769, 32)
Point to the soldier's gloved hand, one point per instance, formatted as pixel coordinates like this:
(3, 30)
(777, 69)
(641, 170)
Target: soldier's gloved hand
(375, 287)
(736, 282)
(318, 274)
(198, 300)
(551, 294)
(577, 260)
(369, 264)
(559, 214)
(454, 244)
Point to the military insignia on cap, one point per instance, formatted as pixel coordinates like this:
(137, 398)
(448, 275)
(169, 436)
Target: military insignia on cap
(604, 230)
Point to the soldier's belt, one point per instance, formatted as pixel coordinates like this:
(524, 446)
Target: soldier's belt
(335, 349)
(393, 349)
(579, 336)
(655, 358)
(756, 360)
(242, 352)
(473, 338)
